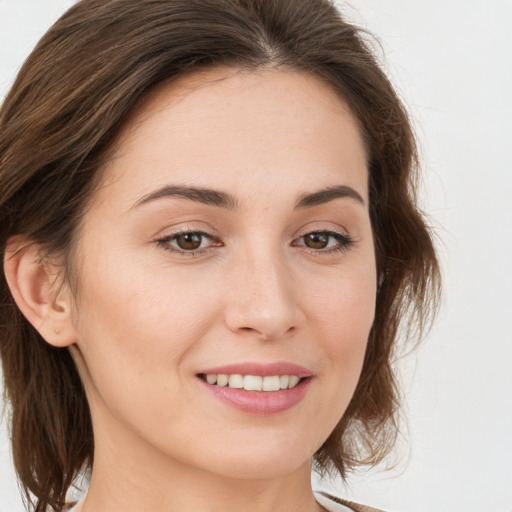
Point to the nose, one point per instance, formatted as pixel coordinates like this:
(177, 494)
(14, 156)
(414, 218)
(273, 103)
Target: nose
(264, 298)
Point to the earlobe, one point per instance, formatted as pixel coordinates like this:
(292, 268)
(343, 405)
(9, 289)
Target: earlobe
(35, 284)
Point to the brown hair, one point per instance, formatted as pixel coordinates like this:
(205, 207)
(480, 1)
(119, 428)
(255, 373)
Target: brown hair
(61, 116)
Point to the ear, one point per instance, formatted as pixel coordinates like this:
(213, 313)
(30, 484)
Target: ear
(37, 286)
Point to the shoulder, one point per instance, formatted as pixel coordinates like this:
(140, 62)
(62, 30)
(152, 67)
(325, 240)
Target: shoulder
(330, 502)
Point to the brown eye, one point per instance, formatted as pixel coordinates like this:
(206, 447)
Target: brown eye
(316, 240)
(325, 242)
(189, 241)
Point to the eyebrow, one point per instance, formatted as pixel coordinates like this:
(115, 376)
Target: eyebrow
(198, 194)
(224, 200)
(328, 194)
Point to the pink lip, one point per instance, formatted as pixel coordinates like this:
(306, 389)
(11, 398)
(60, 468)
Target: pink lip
(260, 402)
(264, 370)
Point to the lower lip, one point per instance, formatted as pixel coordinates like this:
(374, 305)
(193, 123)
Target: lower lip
(262, 403)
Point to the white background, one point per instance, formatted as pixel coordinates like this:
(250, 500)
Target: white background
(452, 62)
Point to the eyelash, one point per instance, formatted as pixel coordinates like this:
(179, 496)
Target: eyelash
(165, 242)
(344, 240)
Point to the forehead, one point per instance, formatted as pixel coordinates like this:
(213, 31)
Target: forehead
(303, 92)
(217, 125)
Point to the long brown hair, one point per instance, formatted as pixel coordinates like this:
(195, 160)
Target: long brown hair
(61, 116)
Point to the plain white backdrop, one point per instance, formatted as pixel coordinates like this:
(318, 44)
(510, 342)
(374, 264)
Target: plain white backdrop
(452, 63)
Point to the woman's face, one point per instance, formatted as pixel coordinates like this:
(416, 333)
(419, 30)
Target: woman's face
(230, 236)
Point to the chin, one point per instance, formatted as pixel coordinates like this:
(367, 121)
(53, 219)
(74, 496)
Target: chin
(268, 459)
(261, 468)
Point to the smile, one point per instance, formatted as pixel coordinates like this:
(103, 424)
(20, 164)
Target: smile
(256, 388)
(253, 382)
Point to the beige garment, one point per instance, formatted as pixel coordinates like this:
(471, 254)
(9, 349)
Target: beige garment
(356, 507)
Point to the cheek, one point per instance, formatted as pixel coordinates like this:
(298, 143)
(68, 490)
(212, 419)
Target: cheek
(142, 313)
(343, 314)
(140, 318)
(137, 329)
(346, 305)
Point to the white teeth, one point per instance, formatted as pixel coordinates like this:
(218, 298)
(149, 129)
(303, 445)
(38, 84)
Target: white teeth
(236, 381)
(294, 380)
(271, 383)
(222, 380)
(254, 382)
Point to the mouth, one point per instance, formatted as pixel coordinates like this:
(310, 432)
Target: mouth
(267, 383)
(260, 389)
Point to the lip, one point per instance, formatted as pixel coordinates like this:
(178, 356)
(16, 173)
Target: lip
(261, 369)
(262, 403)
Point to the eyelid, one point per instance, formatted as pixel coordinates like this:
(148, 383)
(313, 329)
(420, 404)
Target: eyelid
(324, 229)
(184, 228)
(346, 241)
(164, 241)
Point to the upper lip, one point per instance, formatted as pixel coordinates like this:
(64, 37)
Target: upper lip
(260, 369)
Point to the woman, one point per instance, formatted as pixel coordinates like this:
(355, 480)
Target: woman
(210, 241)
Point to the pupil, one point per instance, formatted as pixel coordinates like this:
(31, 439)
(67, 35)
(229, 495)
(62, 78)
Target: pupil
(316, 240)
(189, 241)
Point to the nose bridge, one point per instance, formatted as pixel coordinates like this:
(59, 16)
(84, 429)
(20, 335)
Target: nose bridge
(264, 300)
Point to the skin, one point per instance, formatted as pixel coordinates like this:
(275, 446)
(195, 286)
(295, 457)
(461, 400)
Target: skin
(143, 321)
